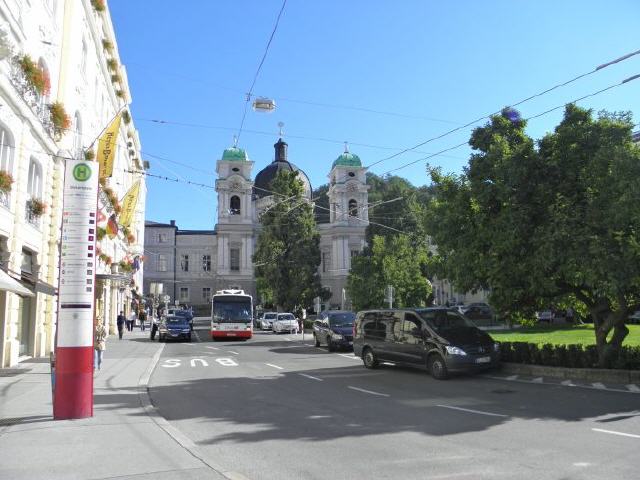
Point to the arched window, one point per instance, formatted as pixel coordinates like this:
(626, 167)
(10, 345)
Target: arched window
(234, 205)
(34, 182)
(353, 208)
(6, 150)
(77, 136)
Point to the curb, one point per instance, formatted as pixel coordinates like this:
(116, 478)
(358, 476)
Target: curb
(180, 438)
(586, 374)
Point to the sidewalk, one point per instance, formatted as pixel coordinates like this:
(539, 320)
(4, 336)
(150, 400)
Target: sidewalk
(124, 439)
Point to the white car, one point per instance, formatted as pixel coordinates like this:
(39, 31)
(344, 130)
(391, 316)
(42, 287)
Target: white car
(286, 322)
(266, 322)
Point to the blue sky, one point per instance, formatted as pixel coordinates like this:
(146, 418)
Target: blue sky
(431, 66)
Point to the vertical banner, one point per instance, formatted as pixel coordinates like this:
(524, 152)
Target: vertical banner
(129, 203)
(73, 392)
(107, 148)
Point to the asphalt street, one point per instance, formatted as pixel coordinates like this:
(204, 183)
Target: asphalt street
(276, 407)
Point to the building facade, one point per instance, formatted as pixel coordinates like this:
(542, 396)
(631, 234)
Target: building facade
(222, 258)
(61, 82)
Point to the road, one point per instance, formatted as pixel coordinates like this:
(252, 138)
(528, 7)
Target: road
(276, 407)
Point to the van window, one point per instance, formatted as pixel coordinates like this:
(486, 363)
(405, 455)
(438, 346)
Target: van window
(412, 326)
(443, 320)
(387, 322)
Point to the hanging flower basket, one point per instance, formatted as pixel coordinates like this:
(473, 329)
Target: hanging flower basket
(5, 181)
(126, 116)
(98, 5)
(125, 266)
(37, 78)
(106, 259)
(59, 118)
(131, 238)
(36, 207)
(112, 64)
(89, 155)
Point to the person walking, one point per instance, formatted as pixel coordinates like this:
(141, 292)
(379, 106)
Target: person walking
(142, 316)
(154, 326)
(99, 344)
(132, 320)
(120, 322)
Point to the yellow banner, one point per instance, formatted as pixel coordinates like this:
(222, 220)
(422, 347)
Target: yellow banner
(107, 148)
(129, 203)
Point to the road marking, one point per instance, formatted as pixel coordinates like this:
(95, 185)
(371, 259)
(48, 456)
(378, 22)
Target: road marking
(317, 417)
(615, 433)
(351, 356)
(274, 366)
(472, 411)
(368, 391)
(171, 363)
(512, 377)
(598, 385)
(214, 348)
(191, 344)
(231, 351)
(203, 362)
(633, 388)
(537, 380)
(227, 362)
(309, 376)
(567, 383)
(287, 339)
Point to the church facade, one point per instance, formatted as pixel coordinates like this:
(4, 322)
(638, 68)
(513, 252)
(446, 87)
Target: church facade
(191, 265)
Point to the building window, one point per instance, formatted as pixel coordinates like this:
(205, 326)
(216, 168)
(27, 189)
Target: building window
(234, 256)
(206, 294)
(326, 261)
(27, 262)
(206, 263)
(354, 253)
(34, 182)
(234, 205)
(353, 208)
(162, 238)
(184, 294)
(162, 263)
(6, 160)
(77, 137)
(83, 59)
(184, 263)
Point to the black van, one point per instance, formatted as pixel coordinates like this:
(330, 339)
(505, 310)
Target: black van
(439, 339)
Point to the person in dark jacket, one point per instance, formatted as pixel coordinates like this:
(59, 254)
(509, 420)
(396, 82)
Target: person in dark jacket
(120, 322)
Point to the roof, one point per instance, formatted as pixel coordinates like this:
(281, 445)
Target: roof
(196, 232)
(235, 154)
(262, 182)
(347, 159)
(149, 223)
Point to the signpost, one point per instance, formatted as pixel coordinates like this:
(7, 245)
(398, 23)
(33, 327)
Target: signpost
(73, 390)
(388, 293)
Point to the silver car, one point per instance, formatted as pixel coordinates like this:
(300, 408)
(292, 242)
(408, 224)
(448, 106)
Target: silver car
(266, 322)
(286, 322)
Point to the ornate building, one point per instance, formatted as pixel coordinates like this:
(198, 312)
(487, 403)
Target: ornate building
(223, 258)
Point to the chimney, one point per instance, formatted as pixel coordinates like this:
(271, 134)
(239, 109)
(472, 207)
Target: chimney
(172, 222)
(281, 151)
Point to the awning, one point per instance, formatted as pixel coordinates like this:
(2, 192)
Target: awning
(12, 285)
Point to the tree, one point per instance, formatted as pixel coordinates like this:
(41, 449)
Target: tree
(288, 248)
(546, 222)
(393, 260)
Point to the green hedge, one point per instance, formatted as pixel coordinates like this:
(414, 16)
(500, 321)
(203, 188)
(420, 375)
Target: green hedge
(571, 356)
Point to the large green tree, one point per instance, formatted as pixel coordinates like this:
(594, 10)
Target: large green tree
(288, 248)
(547, 221)
(392, 260)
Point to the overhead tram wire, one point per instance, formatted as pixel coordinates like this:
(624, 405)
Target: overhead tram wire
(539, 94)
(593, 94)
(255, 77)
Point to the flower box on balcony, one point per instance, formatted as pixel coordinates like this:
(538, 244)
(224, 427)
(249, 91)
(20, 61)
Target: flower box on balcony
(98, 5)
(5, 181)
(36, 207)
(59, 118)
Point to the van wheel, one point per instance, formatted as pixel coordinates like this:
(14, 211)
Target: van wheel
(437, 367)
(315, 339)
(369, 358)
(330, 346)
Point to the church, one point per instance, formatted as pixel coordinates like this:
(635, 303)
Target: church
(191, 265)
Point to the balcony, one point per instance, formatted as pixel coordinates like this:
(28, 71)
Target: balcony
(34, 101)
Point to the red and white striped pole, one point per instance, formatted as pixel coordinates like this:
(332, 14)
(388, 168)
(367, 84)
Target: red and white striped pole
(73, 391)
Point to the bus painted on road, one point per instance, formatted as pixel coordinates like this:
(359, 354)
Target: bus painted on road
(231, 315)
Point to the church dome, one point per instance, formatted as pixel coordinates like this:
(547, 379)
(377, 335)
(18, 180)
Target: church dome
(347, 159)
(262, 182)
(235, 154)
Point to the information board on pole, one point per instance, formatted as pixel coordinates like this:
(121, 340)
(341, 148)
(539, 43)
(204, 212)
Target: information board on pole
(73, 395)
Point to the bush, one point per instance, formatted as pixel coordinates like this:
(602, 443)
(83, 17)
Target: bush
(569, 356)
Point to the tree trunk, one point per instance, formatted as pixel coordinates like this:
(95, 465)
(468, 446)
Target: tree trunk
(605, 320)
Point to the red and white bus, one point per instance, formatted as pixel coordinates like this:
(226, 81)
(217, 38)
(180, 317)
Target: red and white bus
(231, 315)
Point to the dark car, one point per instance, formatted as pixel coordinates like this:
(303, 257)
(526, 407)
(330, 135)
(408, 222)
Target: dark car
(186, 314)
(478, 311)
(174, 327)
(335, 329)
(438, 339)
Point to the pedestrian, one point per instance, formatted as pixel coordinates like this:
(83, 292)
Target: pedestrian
(99, 344)
(154, 326)
(132, 320)
(120, 322)
(142, 316)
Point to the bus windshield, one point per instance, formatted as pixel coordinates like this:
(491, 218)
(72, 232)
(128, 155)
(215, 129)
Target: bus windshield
(232, 310)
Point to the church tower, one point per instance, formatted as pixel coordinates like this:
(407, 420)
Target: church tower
(234, 266)
(344, 236)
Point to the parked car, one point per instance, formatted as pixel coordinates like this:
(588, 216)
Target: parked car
(266, 322)
(174, 327)
(285, 322)
(438, 339)
(186, 314)
(477, 311)
(550, 316)
(635, 318)
(335, 329)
